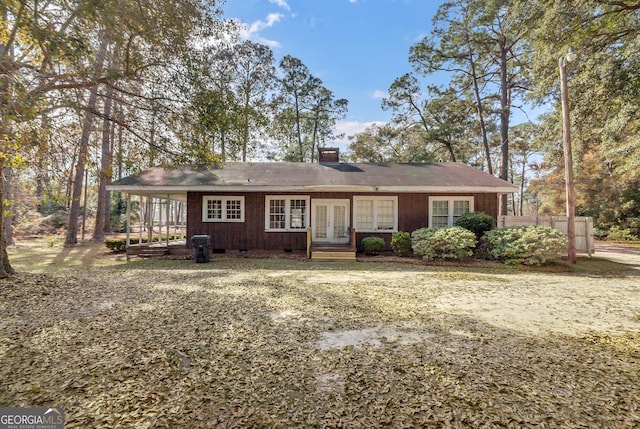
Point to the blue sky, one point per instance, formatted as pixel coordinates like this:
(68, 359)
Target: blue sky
(357, 47)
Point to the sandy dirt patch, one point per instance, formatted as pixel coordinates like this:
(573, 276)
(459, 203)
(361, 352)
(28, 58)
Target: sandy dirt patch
(286, 343)
(534, 305)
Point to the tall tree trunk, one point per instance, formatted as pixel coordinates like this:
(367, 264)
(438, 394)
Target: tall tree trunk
(223, 144)
(107, 215)
(120, 158)
(105, 169)
(152, 140)
(245, 128)
(5, 266)
(512, 175)
(8, 192)
(6, 55)
(42, 173)
(449, 147)
(69, 185)
(314, 136)
(299, 130)
(505, 111)
(522, 183)
(85, 203)
(479, 108)
(83, 153)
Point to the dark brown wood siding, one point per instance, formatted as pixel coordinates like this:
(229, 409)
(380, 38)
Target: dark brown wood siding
(251, 234)
(413, 212)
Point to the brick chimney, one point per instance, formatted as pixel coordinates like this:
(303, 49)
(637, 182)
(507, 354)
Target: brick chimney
(328, 154)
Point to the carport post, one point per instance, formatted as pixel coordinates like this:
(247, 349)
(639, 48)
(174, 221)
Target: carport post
(128, 227)
(168, 210)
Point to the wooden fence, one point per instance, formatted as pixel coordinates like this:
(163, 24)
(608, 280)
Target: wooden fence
(584, 227)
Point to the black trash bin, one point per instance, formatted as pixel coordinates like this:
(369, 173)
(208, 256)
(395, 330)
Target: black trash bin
(201, 248)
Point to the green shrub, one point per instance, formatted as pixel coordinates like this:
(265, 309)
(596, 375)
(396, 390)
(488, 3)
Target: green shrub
(120, 244)
(621, 234)
(401, 243)
(600, 234)
(633, 224)
(476, 222)
(373, 245)
(443, 243)
(528, 245)
(117, 244)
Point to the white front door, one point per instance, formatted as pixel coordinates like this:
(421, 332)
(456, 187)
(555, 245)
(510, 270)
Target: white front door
(330, 221)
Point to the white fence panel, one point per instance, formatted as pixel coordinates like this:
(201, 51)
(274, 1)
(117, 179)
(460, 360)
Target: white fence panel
(584, 227)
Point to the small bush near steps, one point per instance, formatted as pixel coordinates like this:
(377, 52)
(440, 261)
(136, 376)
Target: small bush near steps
(528, 245)
(373, 245)
(443, 243)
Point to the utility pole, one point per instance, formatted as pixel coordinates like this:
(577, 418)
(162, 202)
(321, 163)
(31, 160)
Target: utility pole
(568, 159)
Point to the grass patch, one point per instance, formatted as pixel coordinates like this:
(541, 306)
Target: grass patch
(43, 259)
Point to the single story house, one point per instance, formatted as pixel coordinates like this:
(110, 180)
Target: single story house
(292, 206)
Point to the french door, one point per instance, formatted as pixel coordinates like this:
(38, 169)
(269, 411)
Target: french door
(330, 221)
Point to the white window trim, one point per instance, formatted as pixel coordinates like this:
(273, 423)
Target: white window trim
(287, 212)
(224, 199)
(394, 198)
(450, 199)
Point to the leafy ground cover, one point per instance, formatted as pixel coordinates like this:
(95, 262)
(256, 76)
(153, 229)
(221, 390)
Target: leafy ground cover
(273, 342)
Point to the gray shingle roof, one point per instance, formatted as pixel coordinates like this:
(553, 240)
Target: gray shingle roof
(256, 176)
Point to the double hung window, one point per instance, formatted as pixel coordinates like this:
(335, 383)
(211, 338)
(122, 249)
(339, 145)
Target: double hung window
(376, 214)
(443, 211)
(286, 213)
(222, 208)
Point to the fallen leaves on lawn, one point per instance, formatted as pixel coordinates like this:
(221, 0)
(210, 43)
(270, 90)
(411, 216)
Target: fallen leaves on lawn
(227, 346)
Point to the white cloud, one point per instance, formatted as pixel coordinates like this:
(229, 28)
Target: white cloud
(351, 128)
(379, 94)
(252, 31)
(282, 3)
(272, 19)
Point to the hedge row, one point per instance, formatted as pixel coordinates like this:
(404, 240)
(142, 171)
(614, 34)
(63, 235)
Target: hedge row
(474, 234)
(528, 245)
(120, 244)
(443, 243)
